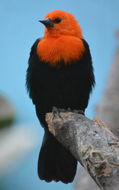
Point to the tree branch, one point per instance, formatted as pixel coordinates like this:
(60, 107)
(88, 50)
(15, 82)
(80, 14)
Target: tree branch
(91, 143)
(108, 111)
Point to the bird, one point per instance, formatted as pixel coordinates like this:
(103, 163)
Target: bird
(60, 74)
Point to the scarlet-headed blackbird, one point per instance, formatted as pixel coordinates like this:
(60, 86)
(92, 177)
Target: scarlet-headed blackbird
(59, 74)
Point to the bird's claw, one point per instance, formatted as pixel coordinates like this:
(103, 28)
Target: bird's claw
(56, 112)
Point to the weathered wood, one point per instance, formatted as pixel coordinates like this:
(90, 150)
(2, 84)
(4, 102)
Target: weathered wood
(91, 143)
(108, 111)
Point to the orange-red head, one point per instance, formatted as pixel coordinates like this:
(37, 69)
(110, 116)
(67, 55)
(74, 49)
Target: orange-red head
(61, 23)
(62, 39)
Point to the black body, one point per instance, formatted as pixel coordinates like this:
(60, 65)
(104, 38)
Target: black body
(62, 86)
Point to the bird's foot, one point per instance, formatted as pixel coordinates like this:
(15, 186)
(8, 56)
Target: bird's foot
(56, 112)
(76, 111)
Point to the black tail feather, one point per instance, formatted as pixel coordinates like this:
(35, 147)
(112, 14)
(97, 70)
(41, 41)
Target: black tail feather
(55, 162)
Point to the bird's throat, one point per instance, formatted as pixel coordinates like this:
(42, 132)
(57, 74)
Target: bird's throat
(64, 48)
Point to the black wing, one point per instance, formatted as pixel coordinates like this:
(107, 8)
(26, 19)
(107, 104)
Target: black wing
(33, 59)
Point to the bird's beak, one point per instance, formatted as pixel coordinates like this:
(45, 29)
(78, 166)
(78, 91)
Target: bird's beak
(47, 22)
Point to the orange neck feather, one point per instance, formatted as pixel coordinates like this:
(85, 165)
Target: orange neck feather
(64, 48)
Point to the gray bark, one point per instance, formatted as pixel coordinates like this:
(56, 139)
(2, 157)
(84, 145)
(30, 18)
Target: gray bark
(107, 111)
(92, 144)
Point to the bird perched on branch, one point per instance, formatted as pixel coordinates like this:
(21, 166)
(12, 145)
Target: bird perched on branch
(60, 74)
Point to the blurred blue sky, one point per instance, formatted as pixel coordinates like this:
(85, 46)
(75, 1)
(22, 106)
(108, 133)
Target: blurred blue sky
(19, 28)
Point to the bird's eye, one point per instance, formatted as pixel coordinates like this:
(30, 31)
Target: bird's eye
(57, 20)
